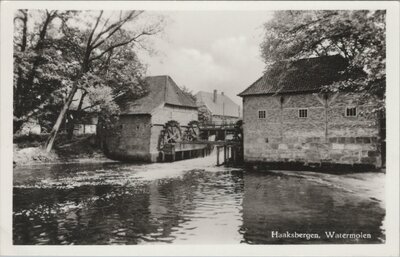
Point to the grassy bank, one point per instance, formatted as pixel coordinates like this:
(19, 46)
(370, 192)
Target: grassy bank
(28, 149)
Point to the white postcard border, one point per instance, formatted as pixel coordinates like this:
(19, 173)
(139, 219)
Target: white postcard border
(390, 248)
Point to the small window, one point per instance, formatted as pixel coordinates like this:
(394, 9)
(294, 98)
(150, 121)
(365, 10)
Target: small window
(303, 113)
(261, 114)
(351, 111)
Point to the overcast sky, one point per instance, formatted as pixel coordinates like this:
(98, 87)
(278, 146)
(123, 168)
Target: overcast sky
(207, 50)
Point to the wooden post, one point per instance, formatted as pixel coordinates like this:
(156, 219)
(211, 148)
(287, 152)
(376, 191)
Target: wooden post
(281, 99)
(217, 156)
(326, 117)
(173, 154)
(225, 154)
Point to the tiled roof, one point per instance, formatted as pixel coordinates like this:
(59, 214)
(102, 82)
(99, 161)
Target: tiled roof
(223, 106)
(162, 90)
(304, 75)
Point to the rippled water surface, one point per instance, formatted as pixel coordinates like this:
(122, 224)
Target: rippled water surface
(189, 202)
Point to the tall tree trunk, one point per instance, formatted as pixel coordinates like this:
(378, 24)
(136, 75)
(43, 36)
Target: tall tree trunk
(96, 43)
(39, 51)
(18, 87)
(54, 131)
(39, 48)
(382, 137)
(71, 122)
(57, 125)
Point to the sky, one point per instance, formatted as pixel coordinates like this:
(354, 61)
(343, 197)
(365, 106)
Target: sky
(207, 50)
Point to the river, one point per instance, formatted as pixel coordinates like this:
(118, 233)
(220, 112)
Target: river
(192, 202)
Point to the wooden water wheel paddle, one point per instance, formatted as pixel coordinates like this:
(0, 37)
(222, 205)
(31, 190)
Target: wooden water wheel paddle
(171, 133)
(192, 132)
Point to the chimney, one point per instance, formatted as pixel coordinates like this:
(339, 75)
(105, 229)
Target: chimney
(215, 96)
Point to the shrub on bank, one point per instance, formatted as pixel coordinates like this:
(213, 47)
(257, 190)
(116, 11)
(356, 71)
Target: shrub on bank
(29, 149)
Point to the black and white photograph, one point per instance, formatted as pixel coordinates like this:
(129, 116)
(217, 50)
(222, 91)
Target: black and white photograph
(149, 125)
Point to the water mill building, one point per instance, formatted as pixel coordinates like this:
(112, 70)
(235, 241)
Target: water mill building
(147, 124)
(287, 118)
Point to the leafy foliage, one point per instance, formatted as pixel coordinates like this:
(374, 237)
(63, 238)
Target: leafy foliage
(204, 115)
(358, 36)
(188, 92)
(39, 73)
(58, 54)
(105, 51)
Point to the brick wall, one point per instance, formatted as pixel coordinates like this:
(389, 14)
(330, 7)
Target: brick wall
(326, 135)
(135, 137)
(130, 138)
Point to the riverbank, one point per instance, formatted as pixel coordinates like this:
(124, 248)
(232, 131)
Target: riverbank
(29, 150)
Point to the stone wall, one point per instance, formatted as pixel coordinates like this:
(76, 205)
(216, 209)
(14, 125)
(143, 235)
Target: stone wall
(135, 137)
(326, 135)
(130, 138)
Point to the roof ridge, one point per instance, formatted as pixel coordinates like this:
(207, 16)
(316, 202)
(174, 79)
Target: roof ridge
(154, 76)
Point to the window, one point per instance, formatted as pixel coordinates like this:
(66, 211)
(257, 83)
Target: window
(303, 113)
(351, 111)
(261, 114)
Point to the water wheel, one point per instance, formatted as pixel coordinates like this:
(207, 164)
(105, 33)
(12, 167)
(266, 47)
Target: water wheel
(192, 132)
(171, 133)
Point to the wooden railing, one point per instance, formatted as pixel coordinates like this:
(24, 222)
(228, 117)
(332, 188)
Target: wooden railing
(217, 126)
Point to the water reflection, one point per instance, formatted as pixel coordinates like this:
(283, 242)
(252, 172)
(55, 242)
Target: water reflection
(139, 204)
(281, 203)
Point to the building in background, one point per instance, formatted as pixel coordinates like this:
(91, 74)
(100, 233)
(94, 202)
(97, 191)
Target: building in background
(84, 122)
(137, 134)
(286, 117)
(217, 108)
(30, 127)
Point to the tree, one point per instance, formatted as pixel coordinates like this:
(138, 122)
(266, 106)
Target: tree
(188, 93)
(204, 115)
(37, 66)
(102, 48)
(358, 36)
